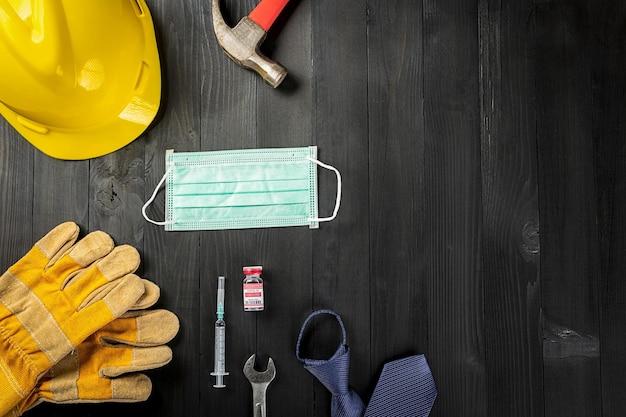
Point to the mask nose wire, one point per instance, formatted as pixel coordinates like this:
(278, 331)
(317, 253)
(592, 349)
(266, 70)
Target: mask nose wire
(338, 199)
(151, 200)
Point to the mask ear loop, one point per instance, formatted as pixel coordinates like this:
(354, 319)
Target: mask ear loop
(151, 200)
(338, 199)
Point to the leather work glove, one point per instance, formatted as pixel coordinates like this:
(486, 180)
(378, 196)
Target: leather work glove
(104, 368)
(56, 296)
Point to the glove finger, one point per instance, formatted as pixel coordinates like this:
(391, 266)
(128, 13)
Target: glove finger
(58, 240)
(148, 299)
(131, 388)
(143, 359)
(88, 250)
(141, 328)
(121, 297)
(84, 286)
(124, 295)
(150, 296)
(127, 388)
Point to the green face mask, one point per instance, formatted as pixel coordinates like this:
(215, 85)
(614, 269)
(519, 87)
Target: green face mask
(242, 189)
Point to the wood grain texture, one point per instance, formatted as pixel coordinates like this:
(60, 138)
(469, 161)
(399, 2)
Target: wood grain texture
(396, 167)
(481, 145)
(341, 275)
(567, 203)
(609, 141)
(172, 260)
(284, 120)
(16, 204)
(510, 226)
(453, 216)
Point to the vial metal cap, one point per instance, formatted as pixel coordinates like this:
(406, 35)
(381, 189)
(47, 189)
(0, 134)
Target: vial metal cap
(252, 270)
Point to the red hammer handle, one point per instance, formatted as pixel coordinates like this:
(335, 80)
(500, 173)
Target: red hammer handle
(266, 12)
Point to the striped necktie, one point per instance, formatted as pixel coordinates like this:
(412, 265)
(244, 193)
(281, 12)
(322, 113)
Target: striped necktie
(333, 374)
(405, 388)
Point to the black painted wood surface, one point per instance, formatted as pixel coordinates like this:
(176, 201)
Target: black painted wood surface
(482, 147)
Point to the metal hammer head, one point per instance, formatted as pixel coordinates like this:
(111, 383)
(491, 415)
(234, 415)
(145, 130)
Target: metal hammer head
(241, 44)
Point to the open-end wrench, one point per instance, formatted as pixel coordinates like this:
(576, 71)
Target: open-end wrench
(259, 382)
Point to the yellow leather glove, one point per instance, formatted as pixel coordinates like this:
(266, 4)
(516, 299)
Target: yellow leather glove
(55, 297)
(104, 368)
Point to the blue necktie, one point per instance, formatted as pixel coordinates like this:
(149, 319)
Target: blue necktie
(405, 388)
(333, 373)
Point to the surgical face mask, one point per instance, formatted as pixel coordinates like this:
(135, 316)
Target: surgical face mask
(240, 189)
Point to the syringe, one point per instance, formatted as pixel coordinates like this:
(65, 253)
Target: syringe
(220, 338)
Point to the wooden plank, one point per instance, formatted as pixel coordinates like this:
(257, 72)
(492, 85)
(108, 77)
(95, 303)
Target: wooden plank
(396, 138)
(228, 121)
(16, 204)
(285, 119)
(609, 139)
(567, 206)
(172, 260)
(340, 266)
(453, 216)
(510, 232)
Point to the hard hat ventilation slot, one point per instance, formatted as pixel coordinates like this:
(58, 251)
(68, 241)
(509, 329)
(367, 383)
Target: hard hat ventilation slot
(137, 7)
(144, 72)
(35, 127)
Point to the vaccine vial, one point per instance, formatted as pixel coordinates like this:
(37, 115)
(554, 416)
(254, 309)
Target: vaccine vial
(253, 299)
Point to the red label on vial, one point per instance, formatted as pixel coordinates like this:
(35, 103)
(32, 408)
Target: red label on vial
(253, 296)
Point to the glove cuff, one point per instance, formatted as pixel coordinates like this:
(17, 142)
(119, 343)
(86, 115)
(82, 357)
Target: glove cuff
(11, 393)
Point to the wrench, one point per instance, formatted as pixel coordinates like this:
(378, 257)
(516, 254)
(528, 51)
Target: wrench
(259, 382)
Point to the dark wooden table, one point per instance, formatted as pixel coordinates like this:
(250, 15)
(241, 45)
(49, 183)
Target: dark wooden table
(470, 134)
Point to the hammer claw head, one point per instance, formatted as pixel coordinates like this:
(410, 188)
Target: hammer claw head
(241, 44)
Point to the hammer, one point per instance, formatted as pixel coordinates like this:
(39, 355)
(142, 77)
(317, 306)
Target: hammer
(241, 43)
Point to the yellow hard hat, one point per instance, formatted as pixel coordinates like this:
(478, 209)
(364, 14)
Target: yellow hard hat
(78, 79)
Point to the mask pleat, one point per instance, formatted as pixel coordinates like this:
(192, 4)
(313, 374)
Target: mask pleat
(250, 187)
(240, 200)
(207, 214)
